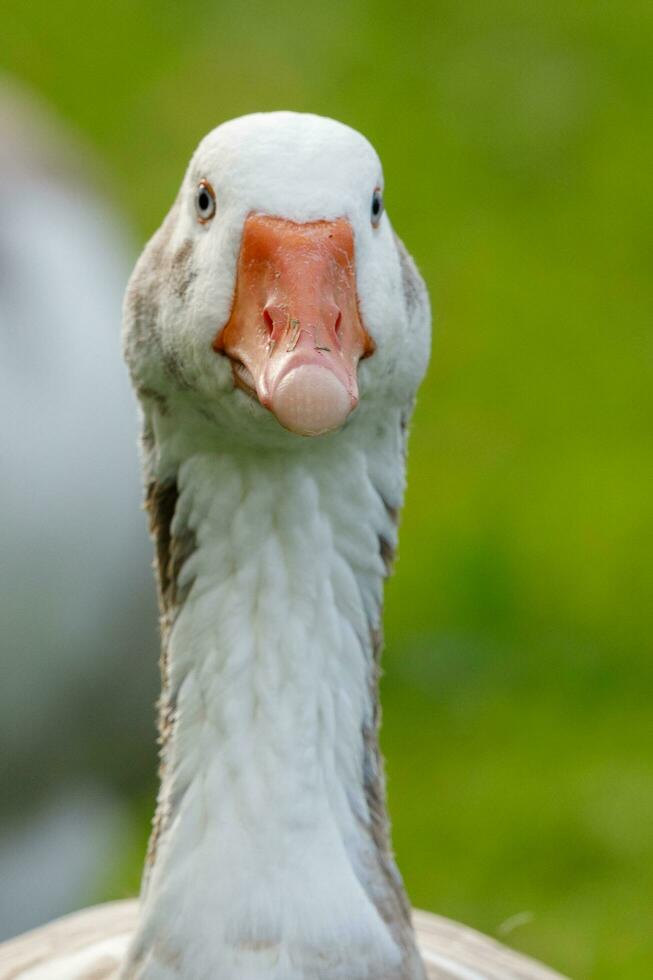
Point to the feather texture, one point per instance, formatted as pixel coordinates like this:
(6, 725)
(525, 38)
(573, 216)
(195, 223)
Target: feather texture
(90, 945)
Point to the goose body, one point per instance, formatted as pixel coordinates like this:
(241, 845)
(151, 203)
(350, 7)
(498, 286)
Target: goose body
(276, 332)
(91, 945)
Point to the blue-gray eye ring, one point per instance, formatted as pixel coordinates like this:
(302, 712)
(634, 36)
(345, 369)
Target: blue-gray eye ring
(204, 201)
(377, 206)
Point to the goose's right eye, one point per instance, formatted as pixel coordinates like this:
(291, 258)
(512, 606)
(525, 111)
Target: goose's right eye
(204, 201)
(377, 206)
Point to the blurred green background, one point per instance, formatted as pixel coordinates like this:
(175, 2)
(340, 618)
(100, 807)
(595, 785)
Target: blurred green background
(516, 139)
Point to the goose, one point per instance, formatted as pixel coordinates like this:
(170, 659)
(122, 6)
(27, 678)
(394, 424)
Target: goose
(276, 331)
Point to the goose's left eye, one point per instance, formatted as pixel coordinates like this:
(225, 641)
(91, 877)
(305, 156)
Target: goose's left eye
(204, 201)
(377, 206)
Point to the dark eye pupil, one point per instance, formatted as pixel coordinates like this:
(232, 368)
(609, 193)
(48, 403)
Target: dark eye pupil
(203, 201)
(376, 205)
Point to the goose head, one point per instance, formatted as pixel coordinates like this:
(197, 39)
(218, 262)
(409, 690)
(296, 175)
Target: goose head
(273, 300)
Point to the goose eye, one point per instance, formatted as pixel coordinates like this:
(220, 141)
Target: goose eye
(204, 201)
(377, 206)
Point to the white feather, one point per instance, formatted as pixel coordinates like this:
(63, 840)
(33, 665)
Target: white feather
(270, 656)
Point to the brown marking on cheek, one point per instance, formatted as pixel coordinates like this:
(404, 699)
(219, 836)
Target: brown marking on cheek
(150, 394)
(159, 274)
(411, 281)
(182, 272)
(173, 366)
(142, 309)
(146, 285)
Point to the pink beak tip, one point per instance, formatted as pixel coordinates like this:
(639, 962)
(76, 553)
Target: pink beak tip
(310, 400)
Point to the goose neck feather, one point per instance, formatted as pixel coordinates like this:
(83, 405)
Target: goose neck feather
(270, 857)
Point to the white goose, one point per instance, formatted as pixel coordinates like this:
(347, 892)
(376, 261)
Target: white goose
(274, 303)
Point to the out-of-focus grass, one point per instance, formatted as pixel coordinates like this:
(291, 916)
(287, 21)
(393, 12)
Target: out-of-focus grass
(517, 144)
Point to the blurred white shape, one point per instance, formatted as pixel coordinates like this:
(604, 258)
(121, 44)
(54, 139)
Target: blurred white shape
(49, 861)
(77, 633)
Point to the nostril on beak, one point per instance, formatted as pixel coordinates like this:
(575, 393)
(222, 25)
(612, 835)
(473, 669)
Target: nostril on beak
(268, 321)
(337, 325)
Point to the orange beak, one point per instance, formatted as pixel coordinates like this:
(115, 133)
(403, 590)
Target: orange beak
(295, 336)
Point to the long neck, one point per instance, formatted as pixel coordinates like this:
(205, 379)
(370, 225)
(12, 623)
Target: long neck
(269, 857)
